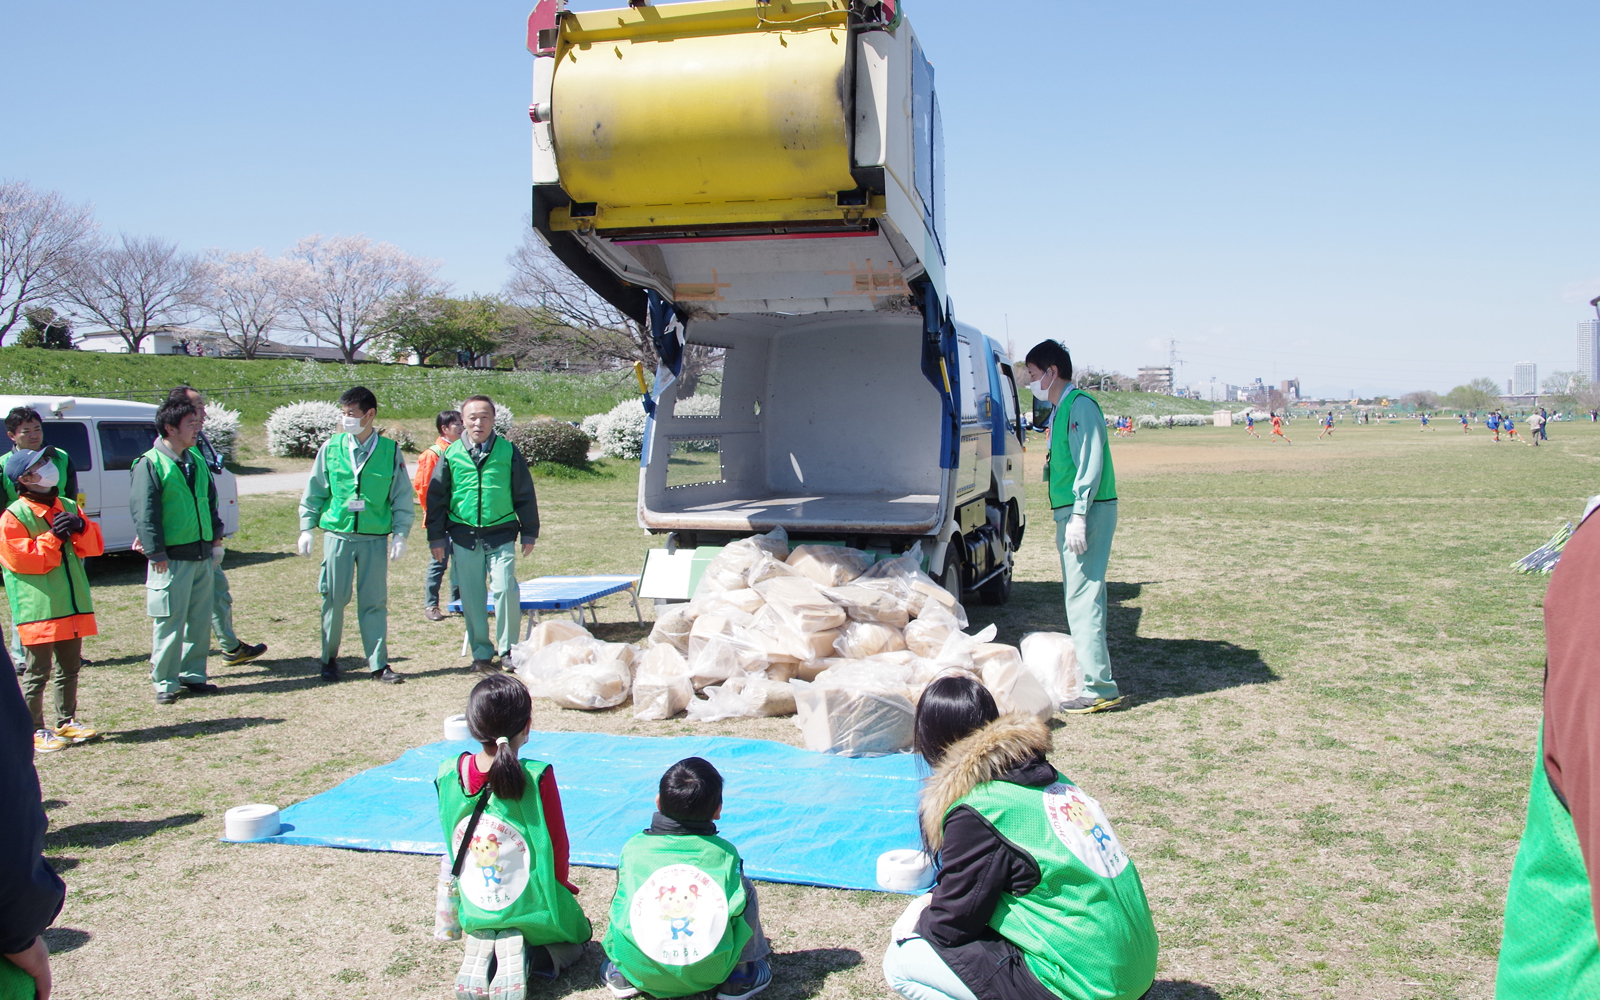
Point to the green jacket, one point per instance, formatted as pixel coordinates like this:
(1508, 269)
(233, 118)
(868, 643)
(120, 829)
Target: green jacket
(452, 513)
(162, 483)
(385, 486)
(1078, 468)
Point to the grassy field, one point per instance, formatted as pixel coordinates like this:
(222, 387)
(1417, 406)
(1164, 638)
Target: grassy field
(1334, 680)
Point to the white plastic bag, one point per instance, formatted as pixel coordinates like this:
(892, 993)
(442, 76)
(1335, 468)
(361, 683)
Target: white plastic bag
(577, 673)
(903, 577)
(959, 648)
(859, 640)
(784, 643)
(673, 625)
(727, 569)
(852, 721)
(1053, 660)
(662, 688)
(1013, 687)
(747, 697)
(800, 605)
(927, 634)
(553, 631)
(721, 647)
(829, 565)
(743, 601)
(765, 568)
(870, 604)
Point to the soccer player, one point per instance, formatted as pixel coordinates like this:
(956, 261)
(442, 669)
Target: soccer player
(1327, 425)
(1277, 428)
(1250, 424)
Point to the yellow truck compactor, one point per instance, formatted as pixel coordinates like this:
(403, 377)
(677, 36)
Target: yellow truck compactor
(765, 179)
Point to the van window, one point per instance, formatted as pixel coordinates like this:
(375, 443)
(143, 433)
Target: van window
(1008, 397)
(71, 436)
(122, 442)
(969, 381)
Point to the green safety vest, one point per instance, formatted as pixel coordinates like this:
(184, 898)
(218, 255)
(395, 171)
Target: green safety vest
(1085, 930)
(509, 879)
(10, 487)
(60, 593)
(677, 920)
(371, 484)
(185, 512)
(1060, 471)
(1549, 948)
(480, 497)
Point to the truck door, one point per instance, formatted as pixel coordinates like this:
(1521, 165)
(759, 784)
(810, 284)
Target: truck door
(972, 476)
(121, 441)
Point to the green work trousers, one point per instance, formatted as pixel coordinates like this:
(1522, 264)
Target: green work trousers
(499, 566)
(222, 610)
(359, 562)
(179, 605)
(1083, 581)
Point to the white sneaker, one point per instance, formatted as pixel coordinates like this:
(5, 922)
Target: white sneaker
(511, 967)
(472, 982)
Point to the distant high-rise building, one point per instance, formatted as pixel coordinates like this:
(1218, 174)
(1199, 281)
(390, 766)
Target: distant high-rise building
(1524, 378)
(1290, 387)
(1589, 349)
(1155, 379)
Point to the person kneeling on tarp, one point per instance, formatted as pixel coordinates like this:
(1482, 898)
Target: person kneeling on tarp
(506, 842)
(685, 919)
(43, 542)
(1036, 898)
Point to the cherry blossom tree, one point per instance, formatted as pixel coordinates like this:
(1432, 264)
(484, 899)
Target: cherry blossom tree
(134, 287)
(339, 287)
(246, 294)
(42, 237)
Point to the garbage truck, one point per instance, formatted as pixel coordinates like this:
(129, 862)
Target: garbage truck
(764, 181)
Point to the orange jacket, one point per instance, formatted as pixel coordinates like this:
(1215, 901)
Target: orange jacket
(24, 554)
(425, 464)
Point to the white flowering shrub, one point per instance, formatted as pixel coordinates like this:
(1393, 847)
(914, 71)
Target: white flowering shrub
(700, 405)
(299, 429)
(1178, 420)
(591, 425)
(622, 430)
(222, 429)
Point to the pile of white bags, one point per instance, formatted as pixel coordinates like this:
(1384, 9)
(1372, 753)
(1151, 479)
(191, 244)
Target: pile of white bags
(577, 672)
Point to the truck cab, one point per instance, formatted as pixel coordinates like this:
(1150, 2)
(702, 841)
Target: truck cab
(766, 181)
(103, 437)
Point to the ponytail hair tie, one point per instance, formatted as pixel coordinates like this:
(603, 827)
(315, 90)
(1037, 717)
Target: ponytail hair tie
(501, 741)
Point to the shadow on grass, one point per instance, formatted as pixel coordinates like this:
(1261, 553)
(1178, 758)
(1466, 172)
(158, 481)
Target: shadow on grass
(800, 974)
(116, 831)
(1180, 989)
(184, 730)
(63, 865)
(235, 558)
(1149, 669)
(62, 939)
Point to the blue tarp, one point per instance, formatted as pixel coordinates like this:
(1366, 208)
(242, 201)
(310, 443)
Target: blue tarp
(796, 816)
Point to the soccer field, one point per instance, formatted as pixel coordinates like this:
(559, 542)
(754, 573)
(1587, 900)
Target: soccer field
(1334, 680)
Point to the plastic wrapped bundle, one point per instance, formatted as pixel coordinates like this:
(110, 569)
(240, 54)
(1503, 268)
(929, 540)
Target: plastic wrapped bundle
(784, 643)
(879, 675)
(859, 640)
(672, 627)
(765, 568)
(903, 577)
(728, 569)
(721, 647)
(852, 721)
(1014, 688)
(926, 636)
(746, 697)
(871, 604)
(829, 565)
(800, 604)
(578, 673)
(742, 601)
(662, 687)
(556, 630)
(1052, 659)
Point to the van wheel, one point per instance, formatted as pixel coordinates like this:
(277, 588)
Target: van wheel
(997, 590)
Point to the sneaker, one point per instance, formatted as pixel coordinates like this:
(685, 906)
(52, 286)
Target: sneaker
(472, 982)
(388, 676)
(167, 698)
(510, 967)
(616, 982)
(330, 670)
(44, 741)
(483, 667)
(244, 653)
(1085, 706)
(432, 613)
(71, 730)
(200, 687)
(748, 979)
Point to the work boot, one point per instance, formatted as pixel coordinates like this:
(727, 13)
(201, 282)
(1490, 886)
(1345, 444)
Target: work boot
(432, 613)
(200, 687)
(167, 698)
(244, 653)
(484, 667)
(330, 670)
(388, 676)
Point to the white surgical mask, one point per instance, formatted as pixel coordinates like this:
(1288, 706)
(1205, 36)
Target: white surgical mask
(1037, 386)
(352, 425)
(48, 475)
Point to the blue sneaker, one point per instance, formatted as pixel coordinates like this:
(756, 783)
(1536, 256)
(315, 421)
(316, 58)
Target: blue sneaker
(748, 979)
(616, 982)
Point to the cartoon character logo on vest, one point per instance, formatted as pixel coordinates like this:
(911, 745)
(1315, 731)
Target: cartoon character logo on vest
(501, 858)
(1081, 825)
(678, 915)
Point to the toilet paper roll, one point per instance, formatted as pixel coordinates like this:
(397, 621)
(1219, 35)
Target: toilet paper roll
(905, 871)
(455, 728)
(251, 822)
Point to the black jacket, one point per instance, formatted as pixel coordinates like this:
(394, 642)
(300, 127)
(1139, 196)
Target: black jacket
(523, 501)
(978, 865)
(31, 892)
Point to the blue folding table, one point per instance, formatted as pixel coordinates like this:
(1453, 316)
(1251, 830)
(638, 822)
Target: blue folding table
(567, 593)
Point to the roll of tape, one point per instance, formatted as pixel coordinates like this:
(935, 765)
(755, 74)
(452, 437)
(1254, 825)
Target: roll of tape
(455, 728)
(252, 822)
(905, 871)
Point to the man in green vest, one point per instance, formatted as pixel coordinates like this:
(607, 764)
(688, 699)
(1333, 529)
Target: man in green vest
(25, 428)
(175, 518)
(1551, 945)
(479, 500)
(360, 496)
(1083, 495)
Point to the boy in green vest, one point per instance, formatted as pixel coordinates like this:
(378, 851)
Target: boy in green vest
(175, 517)
(480, 499)
(25, 428)
(361, 498)
(685, 919)
(1083, 495)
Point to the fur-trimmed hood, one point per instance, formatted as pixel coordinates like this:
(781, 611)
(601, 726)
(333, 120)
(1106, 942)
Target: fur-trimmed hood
(1003, 745)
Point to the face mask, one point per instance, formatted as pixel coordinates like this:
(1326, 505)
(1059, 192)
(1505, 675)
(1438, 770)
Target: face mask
(1037, 386)
(352, 425)
(49, 476)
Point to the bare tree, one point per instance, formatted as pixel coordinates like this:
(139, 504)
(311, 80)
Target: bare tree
(42, 236)
(340, 287)
(246, 293)
(563, 319)
(134, 287)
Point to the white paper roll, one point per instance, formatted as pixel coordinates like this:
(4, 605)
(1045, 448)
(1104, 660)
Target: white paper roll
(251, 822)
(905, 871)
(455, 728)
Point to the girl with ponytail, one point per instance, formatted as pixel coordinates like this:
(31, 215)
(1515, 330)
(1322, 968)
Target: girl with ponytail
(506, 885)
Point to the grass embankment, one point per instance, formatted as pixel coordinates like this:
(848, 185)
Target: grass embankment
(1136, 404)
(1335, 688)
(403, 391)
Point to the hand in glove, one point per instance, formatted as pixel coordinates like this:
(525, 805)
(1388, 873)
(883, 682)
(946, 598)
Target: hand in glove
(397, 548)
(304, 545)
(217, 552)
(61, 526)
(1077, 538)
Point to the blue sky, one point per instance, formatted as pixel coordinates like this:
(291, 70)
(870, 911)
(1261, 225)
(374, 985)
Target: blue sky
(1375, 196)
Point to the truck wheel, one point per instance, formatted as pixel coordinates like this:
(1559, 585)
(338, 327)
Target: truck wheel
(997, 590)
(950, 579)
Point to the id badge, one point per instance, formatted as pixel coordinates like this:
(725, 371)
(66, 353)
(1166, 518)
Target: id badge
(357, 506)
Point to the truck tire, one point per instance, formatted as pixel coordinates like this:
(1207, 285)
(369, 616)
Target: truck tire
(998, 589)
(950, 579)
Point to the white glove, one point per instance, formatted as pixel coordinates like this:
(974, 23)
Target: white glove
(1077, 538)
(217, 552)
(905, 928)
(397, 548)
(304, 546)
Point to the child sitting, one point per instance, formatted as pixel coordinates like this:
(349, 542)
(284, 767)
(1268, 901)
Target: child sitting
(506, 837)
(685, 918)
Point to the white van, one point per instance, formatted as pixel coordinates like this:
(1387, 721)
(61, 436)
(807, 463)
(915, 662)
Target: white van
(103, 437)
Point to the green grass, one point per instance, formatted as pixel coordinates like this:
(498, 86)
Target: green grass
(1335, 684)
(1138, 403)
(403, 391)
